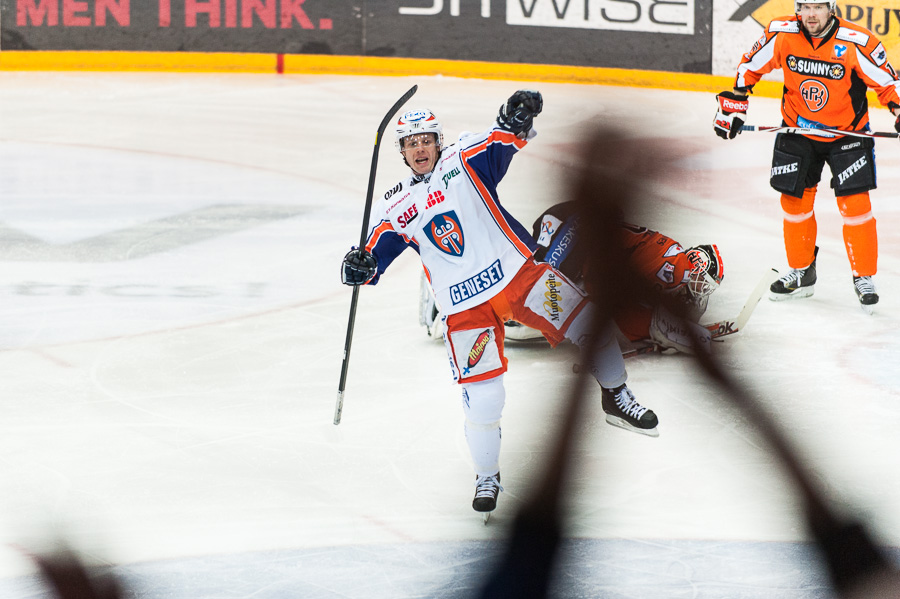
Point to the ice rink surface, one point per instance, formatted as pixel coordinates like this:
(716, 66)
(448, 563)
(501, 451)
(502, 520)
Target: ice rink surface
(172, 324)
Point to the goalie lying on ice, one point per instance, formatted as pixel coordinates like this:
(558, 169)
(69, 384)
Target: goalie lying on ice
(690, 275)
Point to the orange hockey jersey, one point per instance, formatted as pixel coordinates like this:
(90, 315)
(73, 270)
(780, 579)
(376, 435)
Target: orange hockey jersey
(825, 79)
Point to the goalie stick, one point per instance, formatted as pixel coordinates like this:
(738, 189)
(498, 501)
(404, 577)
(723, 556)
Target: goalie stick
(730, 326)
(339, 404)
(819, 132)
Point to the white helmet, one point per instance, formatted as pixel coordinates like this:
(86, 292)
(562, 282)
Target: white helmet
(831, 4)
(708, 270)
(418, 121)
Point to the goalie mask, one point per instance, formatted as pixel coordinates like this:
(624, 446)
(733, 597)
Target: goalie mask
(707, 272)
(414, 122)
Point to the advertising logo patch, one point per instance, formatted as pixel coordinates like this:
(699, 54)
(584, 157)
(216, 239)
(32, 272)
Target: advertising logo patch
(445, 232)
(815, 94)
(553, 298)
(475, 352)
(816, 68)
(472, 286)
(839, 50)
(549, 227)
(407, 217)
(434, 199)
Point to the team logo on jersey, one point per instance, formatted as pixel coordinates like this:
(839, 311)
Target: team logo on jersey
(549, 226)
(445, 232)
(816, 68)
(815, 94)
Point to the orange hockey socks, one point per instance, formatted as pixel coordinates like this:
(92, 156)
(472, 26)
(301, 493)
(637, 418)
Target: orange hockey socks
(799, 228)
(860, 236)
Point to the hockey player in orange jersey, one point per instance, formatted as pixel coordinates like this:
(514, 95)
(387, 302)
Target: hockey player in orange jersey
(828, 64)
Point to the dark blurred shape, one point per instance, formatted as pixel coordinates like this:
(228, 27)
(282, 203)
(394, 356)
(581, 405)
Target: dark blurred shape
(606, 189)
(71, 579)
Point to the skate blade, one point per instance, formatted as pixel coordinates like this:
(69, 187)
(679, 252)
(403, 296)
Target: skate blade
(616, 421)
(796, 294)
(868, 309)
(485, 516)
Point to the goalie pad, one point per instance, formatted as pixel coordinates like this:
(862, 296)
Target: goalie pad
(670, 332)
(429, 315)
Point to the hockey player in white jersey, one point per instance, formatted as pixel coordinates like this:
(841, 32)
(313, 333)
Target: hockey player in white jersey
(478, 261)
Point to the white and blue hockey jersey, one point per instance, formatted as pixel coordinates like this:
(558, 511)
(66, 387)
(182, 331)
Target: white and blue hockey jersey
(470, 246)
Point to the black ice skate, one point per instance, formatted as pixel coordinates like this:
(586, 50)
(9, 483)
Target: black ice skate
(487, 488)
(624, 411)
(798, 283)
(865, 291)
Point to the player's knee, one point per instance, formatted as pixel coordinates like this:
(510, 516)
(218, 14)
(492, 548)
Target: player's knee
(483, 402)
(799, 207)
(580, 331)
(855, 206)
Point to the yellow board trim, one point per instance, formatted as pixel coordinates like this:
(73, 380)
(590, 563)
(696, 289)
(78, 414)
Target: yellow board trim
(214, 62)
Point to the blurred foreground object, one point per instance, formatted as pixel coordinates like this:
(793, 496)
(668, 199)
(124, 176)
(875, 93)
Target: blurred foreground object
(71, 579)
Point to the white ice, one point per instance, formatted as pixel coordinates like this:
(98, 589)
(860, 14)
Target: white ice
(172, 325)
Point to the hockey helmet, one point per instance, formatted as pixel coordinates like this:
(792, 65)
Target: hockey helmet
(418, 121)
(707, 272)
(831, 4)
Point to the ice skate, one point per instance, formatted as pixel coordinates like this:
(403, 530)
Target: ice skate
(798, 283)
(624, 411)
(865, 291)
(487, 488)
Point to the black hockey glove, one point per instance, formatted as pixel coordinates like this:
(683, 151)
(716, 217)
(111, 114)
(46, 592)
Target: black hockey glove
(731, 114)
(517, 115)
(359, 267)
(897, 124)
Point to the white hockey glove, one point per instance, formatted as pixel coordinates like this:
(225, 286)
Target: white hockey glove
(731, 114)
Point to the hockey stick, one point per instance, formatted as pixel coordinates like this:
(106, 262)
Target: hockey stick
(819, 132)
(730, 327)
(726, 327)
(339, 405)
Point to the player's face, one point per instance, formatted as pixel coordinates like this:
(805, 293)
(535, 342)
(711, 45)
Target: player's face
(421, 152)
(814, 17)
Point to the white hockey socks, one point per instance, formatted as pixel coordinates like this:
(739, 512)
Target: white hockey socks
(609, 365)
(483, 405)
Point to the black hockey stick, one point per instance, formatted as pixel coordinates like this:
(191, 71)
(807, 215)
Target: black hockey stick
(819, 132)
(339, 405)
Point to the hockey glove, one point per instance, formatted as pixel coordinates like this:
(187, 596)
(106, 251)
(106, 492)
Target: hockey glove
(359, 267)
(731, 114)
(897, 124)
(517, 115)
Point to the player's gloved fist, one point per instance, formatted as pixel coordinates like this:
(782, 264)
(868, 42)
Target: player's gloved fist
(359, 267)
(517, 115)
(731, 114)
